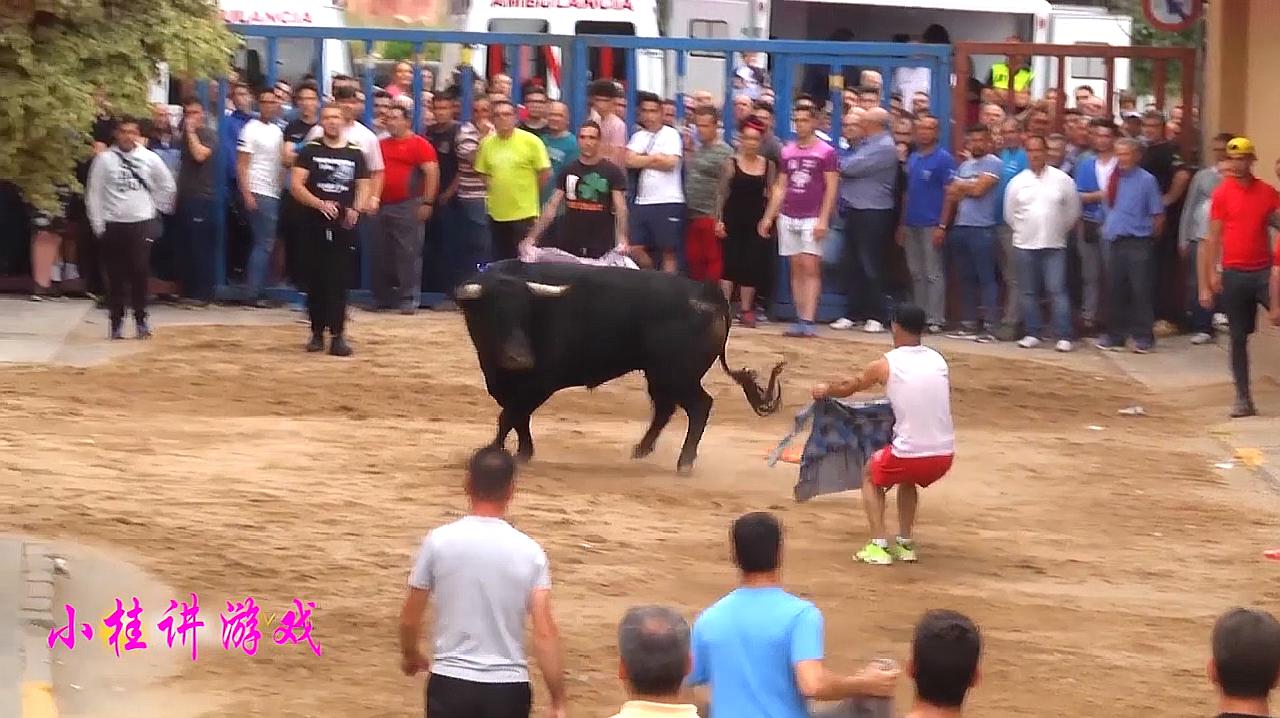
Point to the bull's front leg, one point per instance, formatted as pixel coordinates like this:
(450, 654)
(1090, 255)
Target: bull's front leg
(509, 419)
(504, 428)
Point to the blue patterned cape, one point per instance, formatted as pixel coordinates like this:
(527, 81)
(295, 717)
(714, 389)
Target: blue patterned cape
(842, 437)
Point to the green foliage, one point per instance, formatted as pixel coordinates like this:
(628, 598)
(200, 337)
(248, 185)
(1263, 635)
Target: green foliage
(1142, 73)
(56, 54)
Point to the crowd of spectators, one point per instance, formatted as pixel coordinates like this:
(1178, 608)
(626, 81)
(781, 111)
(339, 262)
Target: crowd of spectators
(986, 239)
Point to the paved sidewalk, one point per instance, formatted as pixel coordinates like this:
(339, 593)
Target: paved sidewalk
(26, 615)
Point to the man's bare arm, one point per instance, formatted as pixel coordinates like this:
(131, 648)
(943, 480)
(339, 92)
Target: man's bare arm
(817, 683)
(415, 605)
(877, 372)
(546, 645)
(298, 188)
(829, 194)
(548, 214)
(619, 216)
(775, 198)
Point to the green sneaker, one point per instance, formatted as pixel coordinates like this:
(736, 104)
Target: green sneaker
(904, 551)
(874, 554)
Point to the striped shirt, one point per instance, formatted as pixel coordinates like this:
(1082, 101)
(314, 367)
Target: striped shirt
(470, 183)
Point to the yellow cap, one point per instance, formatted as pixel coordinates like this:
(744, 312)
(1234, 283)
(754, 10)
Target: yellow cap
(1240, 147)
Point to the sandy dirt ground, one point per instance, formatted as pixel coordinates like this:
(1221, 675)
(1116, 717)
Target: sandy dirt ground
(227, 462)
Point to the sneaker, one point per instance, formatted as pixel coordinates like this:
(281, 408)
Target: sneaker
(1029, 342)
(1006, 332)
(935, 328)
(1243, 408)
(116, 332)
(409, 308)
(963, 332)
(872, 327)
(447, 305)
(1201, 338)
(796, 330)
(316, 344)
(1107, 344)
(874, 554)
(842, 324)
(810, 330)
(1143, 347)
(904, 551)
(1063, 346)
(748, 320)
(984, 338)
(144, 331)
(1220, 320)
(339, 347)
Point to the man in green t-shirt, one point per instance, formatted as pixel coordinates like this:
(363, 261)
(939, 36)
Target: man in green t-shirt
(515, 165)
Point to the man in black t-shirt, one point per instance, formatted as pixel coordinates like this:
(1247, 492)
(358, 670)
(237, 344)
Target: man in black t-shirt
(292, 215)
(1246, 662)
(330, 179)
(440, 263)
(1162, 159)
(594, 192)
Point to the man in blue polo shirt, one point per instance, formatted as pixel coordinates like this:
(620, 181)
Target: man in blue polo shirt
(929, 169)
(1134, 218)
(759, 648)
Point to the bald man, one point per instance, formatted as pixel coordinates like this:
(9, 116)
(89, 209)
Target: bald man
(868, 178)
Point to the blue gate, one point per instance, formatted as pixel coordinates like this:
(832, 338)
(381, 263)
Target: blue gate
(789, 59)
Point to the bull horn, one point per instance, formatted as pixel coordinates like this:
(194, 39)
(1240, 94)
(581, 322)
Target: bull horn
(468, 291)
(547, 290)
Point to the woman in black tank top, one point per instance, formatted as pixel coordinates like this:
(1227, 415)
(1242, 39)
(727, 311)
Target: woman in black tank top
(744, 194)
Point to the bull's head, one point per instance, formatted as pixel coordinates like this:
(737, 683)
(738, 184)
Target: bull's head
(497, 308)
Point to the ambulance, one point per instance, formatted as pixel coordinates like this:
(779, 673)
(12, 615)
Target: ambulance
(295, 57)
(551, 62)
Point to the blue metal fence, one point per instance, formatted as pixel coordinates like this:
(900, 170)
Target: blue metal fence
(788, 60)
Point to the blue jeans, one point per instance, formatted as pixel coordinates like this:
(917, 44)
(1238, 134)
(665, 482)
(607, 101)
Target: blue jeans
(196, 252)
(1131, 266)
(1201, 318)
(973, 249)
(1047, 267)
(470, 238)
(262, 223)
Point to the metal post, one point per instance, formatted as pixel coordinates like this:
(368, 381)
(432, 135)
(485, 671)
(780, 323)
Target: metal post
(220, 192)
(631, 89)
(682, 69)
(418, 109)
(837, 110)
(941, 68)
(782, 94)
(322, 72)
(273, 53)
(516, 67)
(367, 83)
(468, 79)
(579, 96)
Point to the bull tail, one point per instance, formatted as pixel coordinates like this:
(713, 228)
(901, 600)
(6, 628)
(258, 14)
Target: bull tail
(764, 400)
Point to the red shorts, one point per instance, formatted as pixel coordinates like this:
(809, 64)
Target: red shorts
(702, 250)
(890, 470)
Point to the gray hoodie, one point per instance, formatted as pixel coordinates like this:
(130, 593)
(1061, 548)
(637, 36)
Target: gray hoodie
(114, 192)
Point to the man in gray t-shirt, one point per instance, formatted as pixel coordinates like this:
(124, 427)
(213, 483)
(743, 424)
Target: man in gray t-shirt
(485, 577)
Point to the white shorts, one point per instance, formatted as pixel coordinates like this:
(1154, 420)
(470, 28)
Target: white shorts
(795, 236)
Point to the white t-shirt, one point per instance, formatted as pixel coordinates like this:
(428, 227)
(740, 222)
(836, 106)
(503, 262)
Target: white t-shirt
(919, 390)
(262, 141)
(1104, 170)
(480, 572)
(657, 186)
(360, 136)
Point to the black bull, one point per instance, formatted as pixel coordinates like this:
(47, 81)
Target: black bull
(539, 328)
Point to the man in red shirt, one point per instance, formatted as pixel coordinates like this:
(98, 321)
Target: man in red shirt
(409, 187)
(1243, 208)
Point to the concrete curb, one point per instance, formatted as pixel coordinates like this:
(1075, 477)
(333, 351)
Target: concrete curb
(36, 617)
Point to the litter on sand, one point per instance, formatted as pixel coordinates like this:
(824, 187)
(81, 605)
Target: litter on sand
(1273, 554)
(1095, 427)
(1252, 458)
(1225, 465)
(1133, 411)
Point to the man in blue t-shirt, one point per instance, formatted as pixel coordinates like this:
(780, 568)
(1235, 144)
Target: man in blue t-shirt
(1014, 158)
(929, 169)
(759, 648)
(971, 198)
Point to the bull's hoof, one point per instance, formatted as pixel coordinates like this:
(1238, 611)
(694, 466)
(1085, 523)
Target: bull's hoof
(684, 468)
(641, 451)
(524, 457)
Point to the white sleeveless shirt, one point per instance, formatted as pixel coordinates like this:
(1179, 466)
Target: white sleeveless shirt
(919, 390)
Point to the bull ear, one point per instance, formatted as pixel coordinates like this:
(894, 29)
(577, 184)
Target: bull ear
(468, 291)
(547, 290)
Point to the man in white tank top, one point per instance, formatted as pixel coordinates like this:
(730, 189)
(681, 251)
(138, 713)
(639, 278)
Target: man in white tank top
(917, 382)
